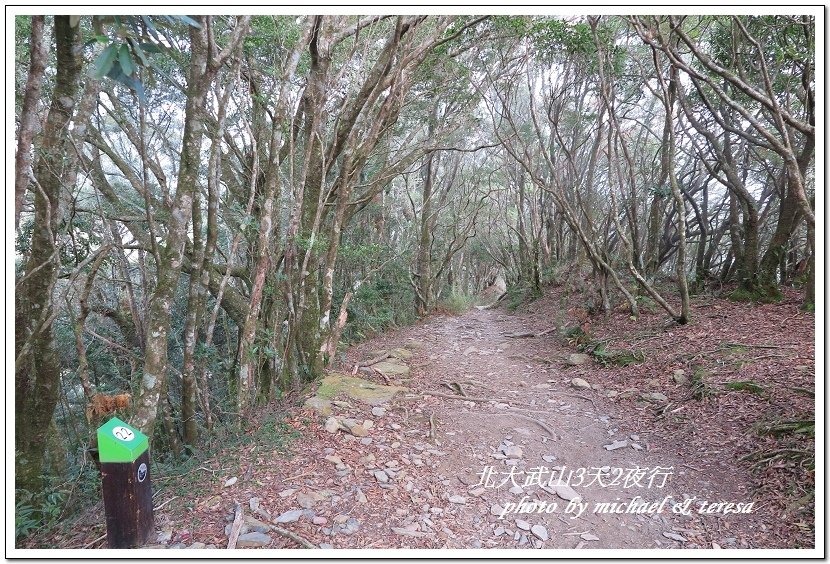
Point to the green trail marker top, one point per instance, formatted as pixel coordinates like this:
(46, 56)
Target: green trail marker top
(119, 442)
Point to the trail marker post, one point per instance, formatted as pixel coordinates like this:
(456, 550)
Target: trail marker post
(125, 479)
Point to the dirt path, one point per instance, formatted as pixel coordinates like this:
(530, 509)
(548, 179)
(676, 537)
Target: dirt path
(528, 461)
(561, 434)
(525, 463)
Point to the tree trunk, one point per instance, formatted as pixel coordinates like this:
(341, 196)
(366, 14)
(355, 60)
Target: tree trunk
(423, 262)
(28, 115)
(171, 256)
(37, 368)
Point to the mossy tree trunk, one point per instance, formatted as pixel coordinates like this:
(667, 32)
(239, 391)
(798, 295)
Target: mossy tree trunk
(37, 368)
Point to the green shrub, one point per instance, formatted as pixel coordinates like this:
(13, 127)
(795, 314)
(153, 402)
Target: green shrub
(457, 302)
(764, 296)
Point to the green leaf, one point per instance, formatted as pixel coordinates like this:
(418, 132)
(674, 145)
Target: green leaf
(190, 21)
(135, 85)
(140, 52)
(105, 60)
(151, 29)
(150, 47)
(126, 60)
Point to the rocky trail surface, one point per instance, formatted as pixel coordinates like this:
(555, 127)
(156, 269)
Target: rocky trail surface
(471, 432)
(489, 430)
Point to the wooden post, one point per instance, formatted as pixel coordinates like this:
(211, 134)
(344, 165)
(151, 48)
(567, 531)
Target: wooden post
(125, 481)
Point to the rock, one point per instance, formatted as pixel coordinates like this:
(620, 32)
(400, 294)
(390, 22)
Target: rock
(496, 510)
(361, 497)
(409, 531)
(230, 482)
(539, 532)
(253, 540)
(335, 384)
(635, 446)
(674, 536)
(499, 531)
(391, 368)
(469, 350)
(334, 459)
(656, 397)
(256, 525)
(523, 540)
(306, 501)
(332, 424)
(351, 526)
(477, 492)
(291, 516)
(286, 493)
(326, 546)
(512, 451)
(458, 499)
(368, 424)
(197, 545)
(378, 411)
(634, 437)
(319, 520)
(400, 353)
(616, 445)
(516, 490)
(381, 476)
(589, 537)
(576, 359)
(566, 492)
(522, 524)
(165, 536)
(580, 384)
(679, 376)
(321, 406)
(548, 457)
(358, 430)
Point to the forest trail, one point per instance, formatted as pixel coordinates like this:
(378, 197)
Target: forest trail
(527, 416)
(430, 470)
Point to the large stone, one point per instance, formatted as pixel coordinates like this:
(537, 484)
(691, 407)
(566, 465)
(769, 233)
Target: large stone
(580, 384)
(618, 444)
(321, 406)
(332, 424)
(679, 376)
(655, 397)
(400, 353)
(512, 451)
(256, 525)
(356, 388)
(577, 359)
(253, 540)
(358, 430)
(566, 492)
(539, 532)
(291, 516)
(391, 368)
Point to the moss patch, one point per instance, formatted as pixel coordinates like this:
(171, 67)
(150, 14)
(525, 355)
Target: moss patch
(359, 389)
